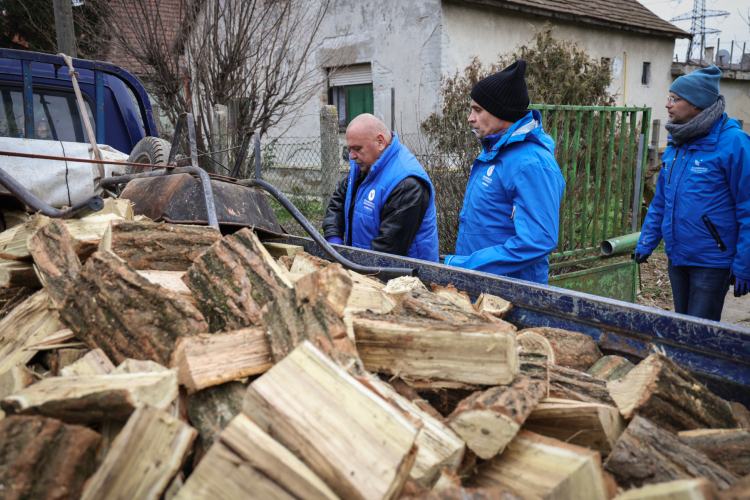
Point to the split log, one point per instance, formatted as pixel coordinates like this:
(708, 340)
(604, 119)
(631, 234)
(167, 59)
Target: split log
(611, 368)
(304, 263)
(358, 444)
(443, 399)
(460, 299)
(44, 459)
(205, 360)
(313, 310)
(397, 288)
(742, 414)
(537, 467)
(93, 363)
(285, 263)
(158, 246)
(563, 348)
(567, 383)
(282, 249)
(172, 281)
(138, 366)
(29, 323)
(93, 398)
(55, 260)
(211, 409)
(13, 218)
(11, 297)
(14, 380)
(361, 279)
(590, 425)
(147, 454)
(408, 392)
(535, 366)
(15, 274)
(494, 305)
(661, 391)
(233, 280)
(120, 207)
(439, 448)
(483, 354)
(458, 493)
(684, 489)
(249, 447)
(423, 304)
(487, 421)
(447, 480)
(740, 490)
(729, 448)
(122, 313)
(13, 244)
(647, 454)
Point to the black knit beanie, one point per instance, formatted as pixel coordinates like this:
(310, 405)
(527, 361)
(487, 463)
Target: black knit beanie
(504, 94)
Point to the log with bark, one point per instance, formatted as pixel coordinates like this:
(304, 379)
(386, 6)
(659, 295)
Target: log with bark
(460, 299)
(233, 280)
(211, 359)
(647, 454)
(536, 467)
(45, 459)
(211, 409)
(611, 368)
(358, 444)
(727, 447)
(15, 379)
(534, 365)
(426, 305)
(92, 363)
(567, 383)
(172, 281)
(93, 398)
(683, 489)
(563, 348)
(29, 323)
(591, 425)
(17, 274)
(112, 307)
(494, 305)
(252, 465)
(147, 454)
(669, 396)
(397, 288)
(487, 421)
(158, 246)
(459, 493)
(482, 354)
(55, 260)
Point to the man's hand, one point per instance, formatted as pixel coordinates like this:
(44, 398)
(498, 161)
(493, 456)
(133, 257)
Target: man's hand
(741, 286)
(641, 258)
(335, 240)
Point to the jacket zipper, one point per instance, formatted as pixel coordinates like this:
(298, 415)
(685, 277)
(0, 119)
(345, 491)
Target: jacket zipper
(712, 229)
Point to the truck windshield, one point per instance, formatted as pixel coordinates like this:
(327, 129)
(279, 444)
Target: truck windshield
(56, 115)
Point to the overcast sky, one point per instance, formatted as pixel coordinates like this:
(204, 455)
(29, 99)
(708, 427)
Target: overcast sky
(733, 27)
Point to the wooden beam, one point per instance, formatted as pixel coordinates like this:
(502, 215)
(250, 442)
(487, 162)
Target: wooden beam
(144, 458)
(358, 444)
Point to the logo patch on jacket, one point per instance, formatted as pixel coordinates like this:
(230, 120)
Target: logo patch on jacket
(369, 205)
(486, 179)
(698, 168)
(490, 170)
(371, 196)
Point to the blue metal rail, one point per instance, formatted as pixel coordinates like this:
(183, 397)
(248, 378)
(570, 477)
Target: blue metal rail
(716, 353)
(99, 68)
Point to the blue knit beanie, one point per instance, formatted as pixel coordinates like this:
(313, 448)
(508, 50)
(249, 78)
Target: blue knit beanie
(699, 88)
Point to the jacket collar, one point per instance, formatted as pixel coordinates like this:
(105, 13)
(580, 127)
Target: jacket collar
(708, 140)
(524, 128)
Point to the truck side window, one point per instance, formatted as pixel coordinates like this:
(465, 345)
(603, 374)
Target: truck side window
(56, 115)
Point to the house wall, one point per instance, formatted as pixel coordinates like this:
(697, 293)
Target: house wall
(486, 32)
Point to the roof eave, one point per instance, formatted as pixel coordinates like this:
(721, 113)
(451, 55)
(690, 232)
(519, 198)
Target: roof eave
(577, 18)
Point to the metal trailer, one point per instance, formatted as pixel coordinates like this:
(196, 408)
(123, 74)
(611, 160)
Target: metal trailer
(717, 354)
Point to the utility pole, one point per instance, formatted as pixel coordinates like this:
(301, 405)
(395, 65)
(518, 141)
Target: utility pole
(698, 25)
(66, 38)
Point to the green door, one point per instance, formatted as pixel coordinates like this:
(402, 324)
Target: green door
(358, 101)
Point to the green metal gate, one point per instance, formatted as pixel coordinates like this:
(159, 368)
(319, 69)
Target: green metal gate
(602, 153)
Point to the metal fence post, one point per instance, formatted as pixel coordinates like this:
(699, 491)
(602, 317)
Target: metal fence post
(329, 152)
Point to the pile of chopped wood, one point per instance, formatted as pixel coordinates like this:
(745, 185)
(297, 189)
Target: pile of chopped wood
(143, 360)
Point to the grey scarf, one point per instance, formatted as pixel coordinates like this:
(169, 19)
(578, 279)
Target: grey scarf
(698, 125)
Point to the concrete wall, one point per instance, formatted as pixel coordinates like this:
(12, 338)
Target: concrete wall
(487, 32)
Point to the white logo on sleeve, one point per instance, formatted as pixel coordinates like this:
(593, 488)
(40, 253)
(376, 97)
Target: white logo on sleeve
(371, 196)
(490, 170)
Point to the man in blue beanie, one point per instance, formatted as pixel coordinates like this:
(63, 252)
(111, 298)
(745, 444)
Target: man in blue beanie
(702, 202)
(511, 214)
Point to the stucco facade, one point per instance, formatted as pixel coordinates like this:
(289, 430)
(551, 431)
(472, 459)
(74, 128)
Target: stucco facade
(411, 44)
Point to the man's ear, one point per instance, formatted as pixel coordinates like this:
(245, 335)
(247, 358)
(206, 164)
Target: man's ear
(382, 143)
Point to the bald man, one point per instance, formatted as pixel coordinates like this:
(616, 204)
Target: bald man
(387, 202)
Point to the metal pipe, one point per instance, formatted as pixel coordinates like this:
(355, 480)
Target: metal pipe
(176, 138)
(258, 164)
(241, 155)
(109, 182)
(19, 191)
(315, 235)
(620, 244)
(637, 193)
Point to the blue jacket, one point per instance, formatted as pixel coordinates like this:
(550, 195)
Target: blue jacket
(394, 165)
(707, 176)
(511, 214)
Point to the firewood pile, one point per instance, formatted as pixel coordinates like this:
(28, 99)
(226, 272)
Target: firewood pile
(143, 360)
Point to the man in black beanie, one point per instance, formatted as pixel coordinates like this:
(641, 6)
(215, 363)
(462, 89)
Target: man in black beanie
(511, 214)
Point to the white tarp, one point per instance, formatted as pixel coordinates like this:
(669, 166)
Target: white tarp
(58, 183)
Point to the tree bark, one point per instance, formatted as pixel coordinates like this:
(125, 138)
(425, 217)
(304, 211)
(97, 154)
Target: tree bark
(110, 306)
(44, 459)
(159, 246)
(647, 454)
(611, 368)
(661, 391)
(487, 421)
(427, 305)
(211, 409)
(567, 383)
(459, 493)
(729, 448)
(66, 38)
(54, 258)
(569, 349)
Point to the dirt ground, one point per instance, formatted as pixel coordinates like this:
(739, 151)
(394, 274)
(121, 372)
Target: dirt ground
(655, 291)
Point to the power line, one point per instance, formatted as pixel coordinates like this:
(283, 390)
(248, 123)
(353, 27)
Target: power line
(698, 24)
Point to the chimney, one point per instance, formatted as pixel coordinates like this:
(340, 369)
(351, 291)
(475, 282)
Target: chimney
(709, 58)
